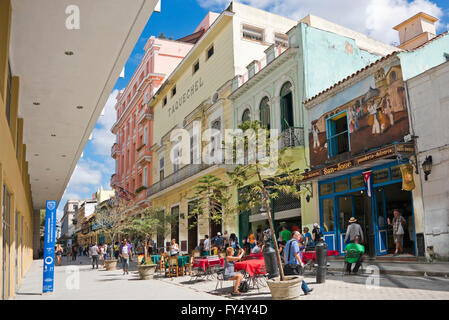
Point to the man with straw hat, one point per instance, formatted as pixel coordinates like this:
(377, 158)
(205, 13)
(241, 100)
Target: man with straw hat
(354, 230)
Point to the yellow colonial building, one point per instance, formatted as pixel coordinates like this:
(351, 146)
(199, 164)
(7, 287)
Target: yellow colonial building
(195, 98)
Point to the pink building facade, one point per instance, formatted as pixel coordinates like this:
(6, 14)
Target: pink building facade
(134, 125)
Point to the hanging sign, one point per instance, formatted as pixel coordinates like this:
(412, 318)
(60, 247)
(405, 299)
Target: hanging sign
(408, 183)
(368, 179)
(49, 246)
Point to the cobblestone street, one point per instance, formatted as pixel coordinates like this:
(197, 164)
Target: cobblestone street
(105, 285)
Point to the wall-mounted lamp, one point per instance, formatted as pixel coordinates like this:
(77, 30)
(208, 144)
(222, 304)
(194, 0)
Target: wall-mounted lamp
(182, 216)
(309, 189)
(427, 166)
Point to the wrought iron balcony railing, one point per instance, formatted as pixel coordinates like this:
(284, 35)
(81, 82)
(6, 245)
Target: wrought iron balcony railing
(178, 176)
(291, 137)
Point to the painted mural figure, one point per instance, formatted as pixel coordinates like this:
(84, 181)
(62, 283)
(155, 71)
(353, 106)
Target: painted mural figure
(316, 140)
(387, 110)
(372, 110)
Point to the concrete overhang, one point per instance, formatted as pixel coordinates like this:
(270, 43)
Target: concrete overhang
(57, 129)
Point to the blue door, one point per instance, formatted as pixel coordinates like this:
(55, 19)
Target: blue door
(328, 223)
(380, 221)
(345, 210)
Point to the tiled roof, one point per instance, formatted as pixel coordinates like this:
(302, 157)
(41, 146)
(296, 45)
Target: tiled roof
(374, 63)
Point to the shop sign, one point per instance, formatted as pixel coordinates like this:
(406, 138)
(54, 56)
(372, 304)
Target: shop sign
(185, 96)
(338, 167)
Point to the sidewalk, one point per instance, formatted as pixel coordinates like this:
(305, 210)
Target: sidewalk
(101, 285)
(434, 269)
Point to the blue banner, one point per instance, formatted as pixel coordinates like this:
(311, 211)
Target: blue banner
(49, 246)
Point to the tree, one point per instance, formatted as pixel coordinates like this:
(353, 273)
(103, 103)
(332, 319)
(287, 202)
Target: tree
(211, 200)
(148, 222)
(109, 219)
(261, 188)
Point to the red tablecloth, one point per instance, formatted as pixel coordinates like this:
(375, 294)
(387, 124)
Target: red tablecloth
(250, 266)
(311, 255)
(205, 263)
(256, 255)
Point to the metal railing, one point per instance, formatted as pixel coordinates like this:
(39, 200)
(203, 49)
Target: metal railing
(291, 137)
(178, 176)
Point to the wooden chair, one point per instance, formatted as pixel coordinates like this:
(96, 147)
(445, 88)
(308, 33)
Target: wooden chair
(173, 269)
(162, 264)
(196, 254)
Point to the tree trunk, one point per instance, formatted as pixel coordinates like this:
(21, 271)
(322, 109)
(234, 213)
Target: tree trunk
(146, 251)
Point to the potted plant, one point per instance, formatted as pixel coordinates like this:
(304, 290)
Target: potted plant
(144, 225)
(264, 179)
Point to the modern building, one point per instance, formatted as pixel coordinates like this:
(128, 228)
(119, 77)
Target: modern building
(429, 113)
(58, 64)
(134, 125)
(272, 90)
(195, 98)
(360, 131)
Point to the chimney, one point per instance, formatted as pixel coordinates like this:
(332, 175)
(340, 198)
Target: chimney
(416, 31)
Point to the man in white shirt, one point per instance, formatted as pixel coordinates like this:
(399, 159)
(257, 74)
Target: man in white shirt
(94, 253)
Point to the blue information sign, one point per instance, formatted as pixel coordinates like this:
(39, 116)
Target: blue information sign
(49, 246)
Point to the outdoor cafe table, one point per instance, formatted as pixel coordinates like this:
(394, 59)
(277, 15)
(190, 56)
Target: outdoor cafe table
(156, 258)
(182, 260)
(311, 255)
(204, 263)
(250, 266)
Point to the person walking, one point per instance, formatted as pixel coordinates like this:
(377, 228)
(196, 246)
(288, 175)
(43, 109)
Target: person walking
(398, 224)
(94, 251)
(102, 254)
(74, 252)
(353, 230)
(58, 252)
(116, 250)
(206, 244)
(125, 255)
(285, 234)
(307, 237)
(292, 256)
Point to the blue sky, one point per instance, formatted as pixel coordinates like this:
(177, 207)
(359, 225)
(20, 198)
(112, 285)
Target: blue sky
(179, 18)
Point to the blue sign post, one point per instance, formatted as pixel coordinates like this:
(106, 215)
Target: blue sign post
(49, 246)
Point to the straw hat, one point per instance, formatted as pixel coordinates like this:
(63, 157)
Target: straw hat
(352, 220)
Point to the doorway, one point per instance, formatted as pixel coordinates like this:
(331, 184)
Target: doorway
(192, 226)
(389, 198)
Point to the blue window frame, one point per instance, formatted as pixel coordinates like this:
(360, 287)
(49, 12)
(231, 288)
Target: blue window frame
(337, 131)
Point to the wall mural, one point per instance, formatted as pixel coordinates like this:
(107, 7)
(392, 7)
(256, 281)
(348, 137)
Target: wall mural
(376, 115)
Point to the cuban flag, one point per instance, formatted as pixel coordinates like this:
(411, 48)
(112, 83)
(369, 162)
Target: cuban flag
(367, 177)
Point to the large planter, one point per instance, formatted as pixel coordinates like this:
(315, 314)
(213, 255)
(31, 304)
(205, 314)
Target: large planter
(289, 289)
(110, 264)
(146, 271)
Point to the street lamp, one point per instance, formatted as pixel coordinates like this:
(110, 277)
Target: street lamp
(427, 166)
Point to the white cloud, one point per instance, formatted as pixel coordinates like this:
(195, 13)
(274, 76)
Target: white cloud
(102, 137)
(375, 18)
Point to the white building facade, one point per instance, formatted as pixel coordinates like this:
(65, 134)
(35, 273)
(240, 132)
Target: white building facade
(429, 108)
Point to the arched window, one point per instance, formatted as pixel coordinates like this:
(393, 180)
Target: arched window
(264, 112)
(246, 116)
(286, 106)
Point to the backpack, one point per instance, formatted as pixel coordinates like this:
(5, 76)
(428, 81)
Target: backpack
(244, 287)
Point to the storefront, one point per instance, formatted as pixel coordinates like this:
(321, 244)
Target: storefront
(345, 196)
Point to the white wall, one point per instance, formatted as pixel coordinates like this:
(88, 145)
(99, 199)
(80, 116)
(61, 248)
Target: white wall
(429, 102)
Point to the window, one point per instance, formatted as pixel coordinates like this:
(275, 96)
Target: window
(286, 106)
(173, 91)
(210, 51)
(145, 135)
(328, 215)
(145, 176)
(325, 189)
(216, 138)
(177, 159)
(246, 116)
(341, 185)
(196, 67)
(164, 102)
(253, 33)
(264, 112)
(281, 39)
(337, 134)
(161, 169)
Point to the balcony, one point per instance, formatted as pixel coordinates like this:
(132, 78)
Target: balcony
(143, 155)
(291, 137)
(115, 180)
(180, 175)
(115, 151)
(144, 115)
